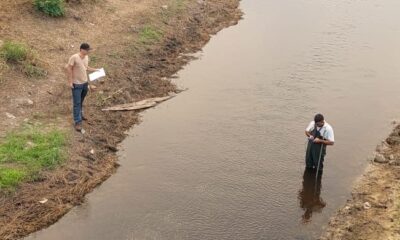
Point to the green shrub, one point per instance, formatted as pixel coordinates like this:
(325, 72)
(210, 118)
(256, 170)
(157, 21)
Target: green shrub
(14, 52)
(53, 8)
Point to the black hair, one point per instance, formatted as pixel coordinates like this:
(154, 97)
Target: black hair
(319, 118)
(85, 46)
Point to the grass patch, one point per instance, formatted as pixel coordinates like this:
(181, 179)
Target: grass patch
(179, 5)
(10, 178)
(149, 35)
(174, 8)
(14, 52)
(52, 8)
(25, 153)
(23, 57)
(33, 71)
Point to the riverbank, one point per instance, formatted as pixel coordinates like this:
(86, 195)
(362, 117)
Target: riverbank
(373, 212)
(142, 44)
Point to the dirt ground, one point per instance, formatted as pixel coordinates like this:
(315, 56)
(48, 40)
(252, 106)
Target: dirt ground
(373, 213)
(136, 70)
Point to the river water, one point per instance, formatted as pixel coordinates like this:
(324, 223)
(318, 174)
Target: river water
(225, 159)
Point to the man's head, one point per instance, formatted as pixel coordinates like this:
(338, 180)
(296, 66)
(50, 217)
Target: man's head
(319, 120)
(85, 49)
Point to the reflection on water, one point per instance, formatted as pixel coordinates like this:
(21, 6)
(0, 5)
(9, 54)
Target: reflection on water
(310, 195)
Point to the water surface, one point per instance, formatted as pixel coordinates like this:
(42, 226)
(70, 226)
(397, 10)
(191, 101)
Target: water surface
(225, 160)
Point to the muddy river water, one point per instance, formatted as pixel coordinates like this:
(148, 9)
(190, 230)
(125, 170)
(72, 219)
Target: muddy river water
(225, 159)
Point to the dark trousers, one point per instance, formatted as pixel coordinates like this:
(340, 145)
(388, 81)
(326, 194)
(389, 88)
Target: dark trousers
(313, 154)
(79, 93)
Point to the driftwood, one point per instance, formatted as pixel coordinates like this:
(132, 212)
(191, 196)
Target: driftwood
(147, 103)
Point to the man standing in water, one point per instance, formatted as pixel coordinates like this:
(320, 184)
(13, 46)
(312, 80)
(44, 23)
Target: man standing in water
(320, 134)
(77, 68)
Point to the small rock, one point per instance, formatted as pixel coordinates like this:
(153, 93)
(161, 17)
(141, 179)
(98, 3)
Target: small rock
(382, 147)
(92, 151)
(23, 102)
(9, 115)
(43, 201)
(134, 28)
(393, 140)
(379, 158)
(367, 205)
(77, 18)
(164, 7)
(83, 131)
(30, 144)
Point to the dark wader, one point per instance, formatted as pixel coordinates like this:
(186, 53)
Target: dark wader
(313, 151)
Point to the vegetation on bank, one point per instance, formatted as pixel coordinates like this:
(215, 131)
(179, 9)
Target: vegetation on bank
(28, 151)
(53, 8)
(150, 35)
(19, 55)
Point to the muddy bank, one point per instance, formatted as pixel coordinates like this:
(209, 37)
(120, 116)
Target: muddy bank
(373, 212)
(135, 72)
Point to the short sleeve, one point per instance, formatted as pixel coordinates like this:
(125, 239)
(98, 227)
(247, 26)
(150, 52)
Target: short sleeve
(329, 134)
(71, 61)
(310, 126)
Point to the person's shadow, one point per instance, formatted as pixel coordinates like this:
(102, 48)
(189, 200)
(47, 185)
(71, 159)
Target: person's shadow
(309, 195)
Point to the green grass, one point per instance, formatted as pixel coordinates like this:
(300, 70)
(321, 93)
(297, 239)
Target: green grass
(53, 8)
(14, 51)
(23, 57)
(24, 154)
(10, 178)
(149, 35)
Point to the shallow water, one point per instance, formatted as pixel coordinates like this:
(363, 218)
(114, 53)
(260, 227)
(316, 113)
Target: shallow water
(225, 160)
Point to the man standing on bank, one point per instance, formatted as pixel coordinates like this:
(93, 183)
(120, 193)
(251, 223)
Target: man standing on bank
(320, 134)
(77, 68)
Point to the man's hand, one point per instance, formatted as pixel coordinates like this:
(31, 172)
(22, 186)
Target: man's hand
(317, 140)
(311, 138)
(71, 85)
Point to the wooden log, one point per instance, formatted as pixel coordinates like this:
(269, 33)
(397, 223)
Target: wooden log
(146, 103)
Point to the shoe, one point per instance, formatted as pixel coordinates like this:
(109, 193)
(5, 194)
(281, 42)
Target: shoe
(78, 127)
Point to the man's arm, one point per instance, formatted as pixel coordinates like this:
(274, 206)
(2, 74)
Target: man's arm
(92, 69)
(325, 142)
(308, 130)
(69, 74)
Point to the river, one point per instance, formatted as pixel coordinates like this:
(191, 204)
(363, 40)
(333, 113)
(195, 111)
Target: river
(225, 159)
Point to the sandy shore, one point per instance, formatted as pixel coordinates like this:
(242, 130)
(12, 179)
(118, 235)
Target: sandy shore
(373, 212)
